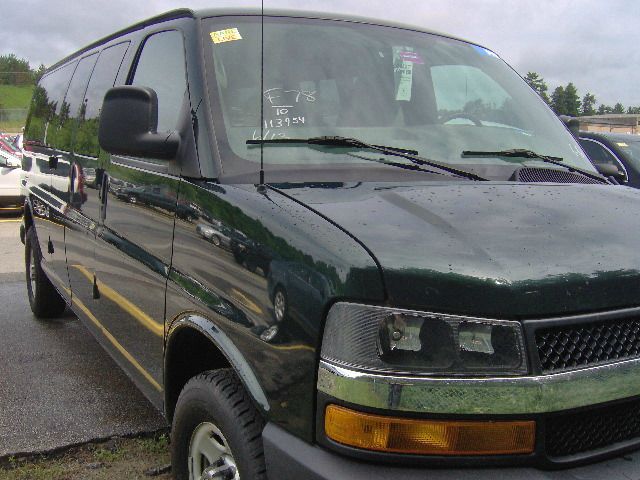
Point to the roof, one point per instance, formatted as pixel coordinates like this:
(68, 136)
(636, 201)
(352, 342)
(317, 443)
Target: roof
(217, 12)
(618, 137)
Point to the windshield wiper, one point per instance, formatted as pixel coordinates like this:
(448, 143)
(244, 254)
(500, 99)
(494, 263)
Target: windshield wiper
(331, 142)
(524, 153)
(334, 141)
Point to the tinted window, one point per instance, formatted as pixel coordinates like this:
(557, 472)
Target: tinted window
(161, 67)
(597, 153)
(103, 77)
(72, 102)
(46, 105)
(382, 85)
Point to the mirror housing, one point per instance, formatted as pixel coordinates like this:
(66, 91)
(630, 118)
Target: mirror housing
(129, 123)
(609, 170)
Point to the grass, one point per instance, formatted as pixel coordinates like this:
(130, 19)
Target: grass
(13, 96)
(126, 458)
(11, 127)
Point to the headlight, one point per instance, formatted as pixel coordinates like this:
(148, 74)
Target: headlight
(404, 341)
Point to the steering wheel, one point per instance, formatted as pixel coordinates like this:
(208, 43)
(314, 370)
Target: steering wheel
(467, 116)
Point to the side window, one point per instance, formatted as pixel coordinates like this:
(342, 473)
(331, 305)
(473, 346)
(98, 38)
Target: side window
(597, 153)
(103, 77)
(161, 66)
(72, 102)
(46, 105)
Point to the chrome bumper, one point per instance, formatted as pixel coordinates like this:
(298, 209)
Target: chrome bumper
(495, 396)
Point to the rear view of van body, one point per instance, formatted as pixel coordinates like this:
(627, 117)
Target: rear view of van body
(331, 247)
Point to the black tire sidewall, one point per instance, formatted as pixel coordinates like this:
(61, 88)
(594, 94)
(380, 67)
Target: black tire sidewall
(31, 243)
(202, 401)
(45, 302)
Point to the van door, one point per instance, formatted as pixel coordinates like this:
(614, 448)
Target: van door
(89, 182)
(134, 247)
(48, 187)
(66, 177)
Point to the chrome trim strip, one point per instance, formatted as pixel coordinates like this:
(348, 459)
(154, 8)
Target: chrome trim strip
(494, 396)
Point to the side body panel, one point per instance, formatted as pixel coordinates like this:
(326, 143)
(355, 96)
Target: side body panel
(227, 286)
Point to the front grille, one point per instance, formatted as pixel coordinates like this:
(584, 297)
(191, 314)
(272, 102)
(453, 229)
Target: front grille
(575, 346)
(596, 428)
(551, 175)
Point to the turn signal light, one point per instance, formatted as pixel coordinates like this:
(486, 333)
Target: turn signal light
(428, 437)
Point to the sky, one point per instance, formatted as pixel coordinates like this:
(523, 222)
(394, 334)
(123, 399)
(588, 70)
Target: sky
(593, 43)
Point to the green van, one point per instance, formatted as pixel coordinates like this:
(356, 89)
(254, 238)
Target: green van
(421, 270)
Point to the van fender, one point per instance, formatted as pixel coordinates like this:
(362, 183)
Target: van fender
(224, 344)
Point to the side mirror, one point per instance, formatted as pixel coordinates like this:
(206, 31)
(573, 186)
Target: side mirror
(610, 170)
(129, 124)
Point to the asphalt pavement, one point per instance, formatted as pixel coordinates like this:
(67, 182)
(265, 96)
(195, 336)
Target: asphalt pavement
(58, 387)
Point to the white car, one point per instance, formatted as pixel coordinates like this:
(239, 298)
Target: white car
(11, 197)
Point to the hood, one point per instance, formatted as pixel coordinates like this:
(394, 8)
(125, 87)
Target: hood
(501, 250)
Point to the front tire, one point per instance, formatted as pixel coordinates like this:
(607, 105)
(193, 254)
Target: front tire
(44, 299)
(217, 430)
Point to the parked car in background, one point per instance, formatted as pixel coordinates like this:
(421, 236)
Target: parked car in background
(11, 197)
(216, 233)
(622, 151)
(6, 144)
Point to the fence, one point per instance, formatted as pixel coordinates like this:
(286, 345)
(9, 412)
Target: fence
(12, 119)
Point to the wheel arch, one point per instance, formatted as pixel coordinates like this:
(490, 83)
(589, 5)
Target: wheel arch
(194, 345)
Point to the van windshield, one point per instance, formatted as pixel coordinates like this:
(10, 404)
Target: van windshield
(382, 85)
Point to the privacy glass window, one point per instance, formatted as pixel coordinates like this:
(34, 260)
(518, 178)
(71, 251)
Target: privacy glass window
(103, 78)
(382, 85)
(46, 105)
(598, 153)
(72, 102)
(162, 67)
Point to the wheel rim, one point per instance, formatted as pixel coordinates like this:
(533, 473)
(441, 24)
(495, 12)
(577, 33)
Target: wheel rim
(279, 305)
(210, 456)
(215, 240)
(32, 272)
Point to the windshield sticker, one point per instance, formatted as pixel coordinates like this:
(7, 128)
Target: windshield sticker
(228, 35)
(411, 57)
(622, 144)
(484, 51)
(402, 73)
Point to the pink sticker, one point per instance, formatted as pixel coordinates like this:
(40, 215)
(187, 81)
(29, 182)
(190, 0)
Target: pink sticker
(411, 57)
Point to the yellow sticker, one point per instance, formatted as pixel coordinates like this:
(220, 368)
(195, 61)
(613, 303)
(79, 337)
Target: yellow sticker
(622, 144)
(228, 35)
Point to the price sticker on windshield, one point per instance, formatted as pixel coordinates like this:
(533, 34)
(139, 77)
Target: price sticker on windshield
(228, 35)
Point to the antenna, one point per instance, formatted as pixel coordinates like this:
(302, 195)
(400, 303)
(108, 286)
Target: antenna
(261, 186)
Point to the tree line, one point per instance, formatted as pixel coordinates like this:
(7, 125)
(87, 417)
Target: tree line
(17, 71)
(564, 100)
